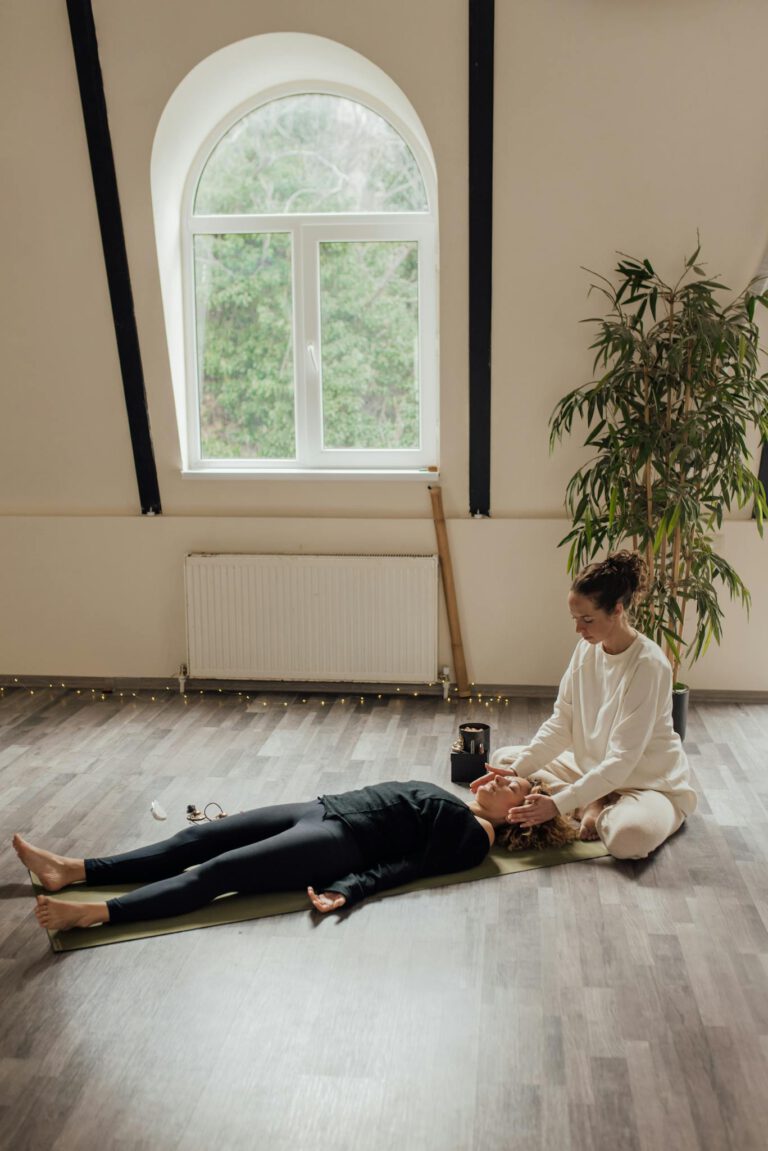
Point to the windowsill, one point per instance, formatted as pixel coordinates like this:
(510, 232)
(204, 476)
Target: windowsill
(312, 474)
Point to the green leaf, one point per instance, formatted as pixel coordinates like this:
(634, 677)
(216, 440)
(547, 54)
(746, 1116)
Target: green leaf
(612, 506)
(674, 518)
(660, 533)
(652, 301)
(692, 260)
(676, 610)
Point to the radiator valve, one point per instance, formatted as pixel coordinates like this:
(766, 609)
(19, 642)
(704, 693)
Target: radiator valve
(445, 679)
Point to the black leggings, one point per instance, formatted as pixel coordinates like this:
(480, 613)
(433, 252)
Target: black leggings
(282, 848)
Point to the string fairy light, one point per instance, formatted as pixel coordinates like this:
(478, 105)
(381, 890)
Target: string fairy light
(99, 694)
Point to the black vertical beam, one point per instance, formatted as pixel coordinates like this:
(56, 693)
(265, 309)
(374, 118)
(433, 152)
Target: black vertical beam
(762, 472)
(86, 48)
(481, 23)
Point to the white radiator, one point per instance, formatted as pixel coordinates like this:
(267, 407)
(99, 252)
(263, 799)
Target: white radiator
(368, 619)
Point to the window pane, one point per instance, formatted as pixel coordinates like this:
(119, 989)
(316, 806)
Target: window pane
(311, 153)
(245, 346)
(369, 336)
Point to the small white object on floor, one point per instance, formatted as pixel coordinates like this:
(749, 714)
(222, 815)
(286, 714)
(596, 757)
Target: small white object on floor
(157, 810)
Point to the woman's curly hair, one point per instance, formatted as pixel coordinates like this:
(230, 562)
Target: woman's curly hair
(621, 578)
(555, 832)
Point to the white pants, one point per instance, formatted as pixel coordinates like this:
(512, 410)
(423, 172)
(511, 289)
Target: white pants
(634, 821)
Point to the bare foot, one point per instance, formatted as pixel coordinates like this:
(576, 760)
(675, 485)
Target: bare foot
(61, 914)
(587, 828)
(53, 871)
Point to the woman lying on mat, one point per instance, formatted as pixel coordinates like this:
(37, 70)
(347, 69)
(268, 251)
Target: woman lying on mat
(609, 751)
(346, 846)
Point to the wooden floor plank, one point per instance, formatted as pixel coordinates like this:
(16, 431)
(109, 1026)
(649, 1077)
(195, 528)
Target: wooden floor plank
(596, 1007)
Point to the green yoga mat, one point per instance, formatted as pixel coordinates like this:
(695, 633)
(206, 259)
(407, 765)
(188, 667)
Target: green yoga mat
(236, 908)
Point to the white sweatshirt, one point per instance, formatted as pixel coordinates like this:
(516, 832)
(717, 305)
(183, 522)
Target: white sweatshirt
(614, 712)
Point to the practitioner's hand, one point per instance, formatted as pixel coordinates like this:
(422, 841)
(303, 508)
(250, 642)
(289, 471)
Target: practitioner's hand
(536, 809)
(326, 900)
(492, 773)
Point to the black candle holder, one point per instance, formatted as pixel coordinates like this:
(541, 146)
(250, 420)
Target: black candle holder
(471, 752)
(475, 738)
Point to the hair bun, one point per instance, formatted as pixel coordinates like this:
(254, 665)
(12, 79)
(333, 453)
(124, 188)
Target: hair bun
(620, 577)
(627, 565)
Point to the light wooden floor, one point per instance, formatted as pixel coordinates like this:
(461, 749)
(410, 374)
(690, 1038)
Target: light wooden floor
(600, 1006)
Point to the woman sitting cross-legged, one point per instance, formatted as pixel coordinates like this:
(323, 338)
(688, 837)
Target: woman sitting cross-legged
(609, 751)
(341, 848)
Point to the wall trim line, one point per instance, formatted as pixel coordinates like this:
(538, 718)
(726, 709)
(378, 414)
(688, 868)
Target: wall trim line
(171, 685)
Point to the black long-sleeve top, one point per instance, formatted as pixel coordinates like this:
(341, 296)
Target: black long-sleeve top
(406, 831)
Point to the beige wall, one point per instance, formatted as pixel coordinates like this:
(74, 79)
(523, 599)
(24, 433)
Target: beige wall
(618, 126)
(104, 595)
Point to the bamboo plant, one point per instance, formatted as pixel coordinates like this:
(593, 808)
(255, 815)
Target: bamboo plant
(678, 390)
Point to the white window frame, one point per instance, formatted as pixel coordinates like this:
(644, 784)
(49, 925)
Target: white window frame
(308, 231)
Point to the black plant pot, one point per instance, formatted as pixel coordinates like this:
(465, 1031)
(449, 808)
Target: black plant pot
(680, 696)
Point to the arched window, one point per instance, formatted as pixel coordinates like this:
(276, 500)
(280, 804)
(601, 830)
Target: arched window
(309, 267)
